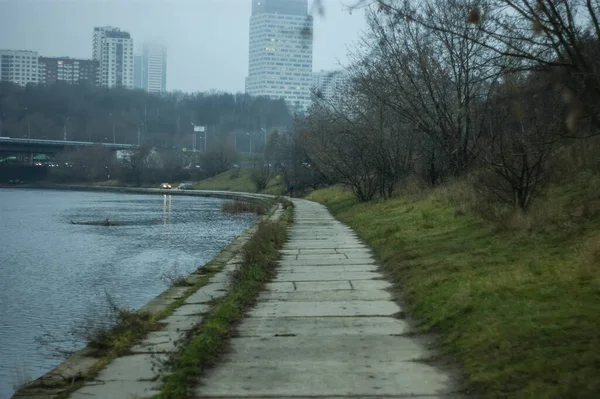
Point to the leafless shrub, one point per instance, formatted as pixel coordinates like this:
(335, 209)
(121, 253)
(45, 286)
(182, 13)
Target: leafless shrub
(98, 330)
(174, 277)
(242, 207)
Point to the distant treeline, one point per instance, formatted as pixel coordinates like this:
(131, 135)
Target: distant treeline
(89, 113)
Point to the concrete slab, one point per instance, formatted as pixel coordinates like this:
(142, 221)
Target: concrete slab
(315, 286)
(326, 268)
(327, 262)
(159, 342)
(359, 350)
(322, 326)
(165, 299)
(332, 256)
(208, 293)
(326, 276)
(139, 367)
(330, 296)
(181, 323)
(333, 397)
(323, 244)
(117, 390)
(335, 308)
(321, 366)
(221, 277)
(190, 310)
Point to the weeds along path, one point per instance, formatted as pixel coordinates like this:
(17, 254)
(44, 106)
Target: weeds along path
(326, 327)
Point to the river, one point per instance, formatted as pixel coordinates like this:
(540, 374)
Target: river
(54, 274)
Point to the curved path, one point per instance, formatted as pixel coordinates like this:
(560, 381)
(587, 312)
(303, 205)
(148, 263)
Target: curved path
(326, 327)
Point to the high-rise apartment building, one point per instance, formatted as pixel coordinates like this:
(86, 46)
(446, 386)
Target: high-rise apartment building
(68, 70)
(329, 84)
(19, 66)
(280, 55)
(150, 68)
(113, 49)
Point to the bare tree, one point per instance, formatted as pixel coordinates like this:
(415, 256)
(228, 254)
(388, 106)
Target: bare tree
(523, 136)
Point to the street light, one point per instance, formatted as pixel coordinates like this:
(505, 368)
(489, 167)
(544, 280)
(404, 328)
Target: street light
(251, 153)
(199, 129)
(28, 124)
(113, 123)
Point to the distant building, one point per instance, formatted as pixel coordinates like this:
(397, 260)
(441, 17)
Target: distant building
(69, 70)
(150, 68)
(19, 66)
(329, 84)
(113, 49)
(280, 55)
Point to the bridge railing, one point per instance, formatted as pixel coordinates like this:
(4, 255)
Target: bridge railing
(62, 143)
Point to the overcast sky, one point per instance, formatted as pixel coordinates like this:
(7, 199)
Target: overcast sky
(207, 40)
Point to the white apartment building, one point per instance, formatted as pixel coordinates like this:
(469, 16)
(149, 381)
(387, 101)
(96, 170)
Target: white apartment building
(329, 83)
(113, 49)
(19, 66)
(280, 54)
(150, 68)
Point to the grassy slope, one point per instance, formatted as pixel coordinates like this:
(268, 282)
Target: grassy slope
(518, 305)
(238, 180)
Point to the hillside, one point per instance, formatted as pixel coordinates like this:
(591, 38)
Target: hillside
(238, 180)
(515, 298)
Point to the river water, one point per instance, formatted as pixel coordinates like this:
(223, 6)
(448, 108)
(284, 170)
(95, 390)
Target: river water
(54, 274)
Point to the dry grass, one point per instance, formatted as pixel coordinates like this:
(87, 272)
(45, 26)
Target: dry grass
(242, 207)
(515, 296)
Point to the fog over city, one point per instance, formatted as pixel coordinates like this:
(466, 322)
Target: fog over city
(206, 40)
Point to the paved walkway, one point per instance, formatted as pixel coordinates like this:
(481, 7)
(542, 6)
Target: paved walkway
(326, 327)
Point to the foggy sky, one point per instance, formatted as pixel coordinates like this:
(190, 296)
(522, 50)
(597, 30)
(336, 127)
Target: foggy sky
(207, 40)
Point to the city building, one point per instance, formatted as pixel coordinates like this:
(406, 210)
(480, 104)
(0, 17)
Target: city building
(328, 84)
(19, 66)
(280, 53)
(113, 49)
(69, 70)
(150, 68)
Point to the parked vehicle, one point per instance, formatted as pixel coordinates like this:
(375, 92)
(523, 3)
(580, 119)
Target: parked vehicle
(165, 186)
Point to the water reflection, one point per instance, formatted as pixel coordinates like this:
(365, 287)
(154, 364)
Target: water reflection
(166, 216)
(53, 272)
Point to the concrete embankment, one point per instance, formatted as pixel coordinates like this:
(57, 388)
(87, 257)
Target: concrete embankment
(230, 195)
(185, 306)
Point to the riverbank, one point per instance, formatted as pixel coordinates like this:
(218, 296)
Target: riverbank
(516, 301)
(85, 364)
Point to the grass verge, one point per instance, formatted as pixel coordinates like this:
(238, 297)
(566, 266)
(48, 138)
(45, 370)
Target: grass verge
(517, 304)
(208, 341)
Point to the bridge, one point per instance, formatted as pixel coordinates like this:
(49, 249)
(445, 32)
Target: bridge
(14, 145)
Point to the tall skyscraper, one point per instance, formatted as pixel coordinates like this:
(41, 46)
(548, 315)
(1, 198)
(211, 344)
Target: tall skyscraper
(329, 83)
(150, 68)
(19, 66)
(280, 56)
(113, 49)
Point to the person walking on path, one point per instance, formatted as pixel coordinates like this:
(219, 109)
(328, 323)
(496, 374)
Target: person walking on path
(291, 190)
